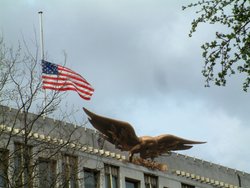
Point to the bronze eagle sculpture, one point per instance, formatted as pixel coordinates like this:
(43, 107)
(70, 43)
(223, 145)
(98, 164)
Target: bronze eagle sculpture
(123, 136)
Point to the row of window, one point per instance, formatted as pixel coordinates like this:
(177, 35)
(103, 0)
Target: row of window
(47, 173)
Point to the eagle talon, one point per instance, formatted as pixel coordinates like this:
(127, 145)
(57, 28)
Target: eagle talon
(130, 157)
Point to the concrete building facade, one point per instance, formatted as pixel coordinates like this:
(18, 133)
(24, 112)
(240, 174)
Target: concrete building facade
(42, 152)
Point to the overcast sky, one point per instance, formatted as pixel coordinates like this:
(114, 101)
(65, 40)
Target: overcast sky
(144, 68)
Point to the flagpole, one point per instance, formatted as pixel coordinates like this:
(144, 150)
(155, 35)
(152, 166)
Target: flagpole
(41, 34)
(42, 46)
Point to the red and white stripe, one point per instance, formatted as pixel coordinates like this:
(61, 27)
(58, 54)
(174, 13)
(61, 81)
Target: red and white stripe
(68, 80)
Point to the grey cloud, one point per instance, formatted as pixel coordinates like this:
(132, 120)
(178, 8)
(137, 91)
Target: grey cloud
(143, 66)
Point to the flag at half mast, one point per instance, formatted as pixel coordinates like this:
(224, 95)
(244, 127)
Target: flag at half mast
(59, 78)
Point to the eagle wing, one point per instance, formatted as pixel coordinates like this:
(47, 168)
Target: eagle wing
(169, 142)
(119, 133)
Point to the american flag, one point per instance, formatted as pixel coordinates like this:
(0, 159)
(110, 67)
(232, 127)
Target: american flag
(60, 78)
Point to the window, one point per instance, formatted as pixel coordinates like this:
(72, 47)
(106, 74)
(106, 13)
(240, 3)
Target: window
(131, 183)
(22, 165)
(91, 178)
(111, 176)
(187, 186)
(47, 173)
(150, 181)
(70, 174)
(3, 167)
